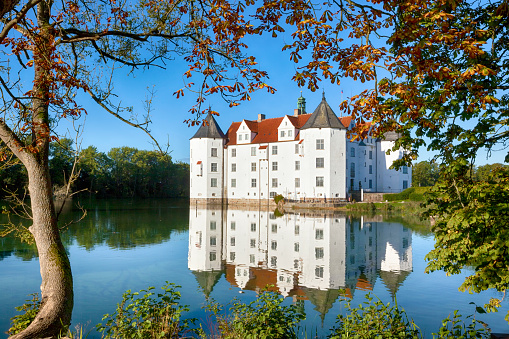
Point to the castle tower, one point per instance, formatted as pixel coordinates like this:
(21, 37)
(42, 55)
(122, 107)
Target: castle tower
(301, 104)
(323, 150)
(206, 162)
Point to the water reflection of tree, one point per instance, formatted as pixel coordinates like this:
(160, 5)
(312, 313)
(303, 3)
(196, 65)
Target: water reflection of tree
(118, 224)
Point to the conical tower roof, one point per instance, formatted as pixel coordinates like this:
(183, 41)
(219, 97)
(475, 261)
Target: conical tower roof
(209, 129)
(207, 280)
(323, 117)
(393, 280)
(322, 299)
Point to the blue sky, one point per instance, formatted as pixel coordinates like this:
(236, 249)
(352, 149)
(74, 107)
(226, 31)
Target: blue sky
(104, 131)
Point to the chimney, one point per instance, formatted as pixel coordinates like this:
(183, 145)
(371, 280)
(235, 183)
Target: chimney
(296, 112)
(261, 117)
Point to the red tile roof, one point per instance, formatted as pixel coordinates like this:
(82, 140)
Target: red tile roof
(346, 121)
(253, 125)
(266, 129)
(231, 134)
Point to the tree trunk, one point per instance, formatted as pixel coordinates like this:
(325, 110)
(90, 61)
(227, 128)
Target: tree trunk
(56, 288)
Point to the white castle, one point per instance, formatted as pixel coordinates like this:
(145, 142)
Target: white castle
(304, 157)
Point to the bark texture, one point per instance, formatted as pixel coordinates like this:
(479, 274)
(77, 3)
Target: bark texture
(7, 6)
(56, 289)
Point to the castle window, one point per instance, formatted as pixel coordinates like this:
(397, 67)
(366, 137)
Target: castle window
(212, 225)
(274, 228)
(319, 271)
(405, 184)
(233, 225)
(251, 258)
(253, 151)
(212, 241)
(213, 167)
(319, 181)
(319, 144)
(319, 234)
(213, 152)
(234, 152)
(405, 169)
(352, 152)
(370, 169)
(352, 170)
(253, 167)
(253, 183)
(371, 154)
(274, 165)
(319, 163)
(273, 245)
(273, 261)
(253, 227)
(274, 150)
(296, 148)
(234, 183)
(252, 243)
(370, 183)
(297, 165)
(213, 182)
(318, 252)
(274, 182)
(297, 182)
(272, 194)
(232, 241)
(234, 167)
(296, 247)
(232, 256)
(212, 256)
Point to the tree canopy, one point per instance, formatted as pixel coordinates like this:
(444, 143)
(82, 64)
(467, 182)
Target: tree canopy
(435, 69)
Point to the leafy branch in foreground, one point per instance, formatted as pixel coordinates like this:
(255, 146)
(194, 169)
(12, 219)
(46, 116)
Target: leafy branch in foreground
(374, 319)
(264, 317)
(471, 229)
(145, 314)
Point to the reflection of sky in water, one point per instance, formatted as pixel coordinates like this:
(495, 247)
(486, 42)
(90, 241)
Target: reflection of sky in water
(132, 246)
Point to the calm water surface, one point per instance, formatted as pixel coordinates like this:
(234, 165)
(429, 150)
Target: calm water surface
(226, 254)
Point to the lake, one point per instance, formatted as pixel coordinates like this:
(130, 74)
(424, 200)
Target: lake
(309, 257)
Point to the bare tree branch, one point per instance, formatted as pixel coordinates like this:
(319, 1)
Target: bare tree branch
(93, 36)
(116, 115)
(21, 14)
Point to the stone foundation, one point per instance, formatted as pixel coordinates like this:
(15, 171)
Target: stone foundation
(373, 197)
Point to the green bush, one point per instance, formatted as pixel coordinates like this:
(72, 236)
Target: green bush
(264, 317)
(147, 315)
(278, 198)
(374, 320)
(456, 328)
(29, 309)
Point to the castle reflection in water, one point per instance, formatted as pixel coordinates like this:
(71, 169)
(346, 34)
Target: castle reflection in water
(306, 256)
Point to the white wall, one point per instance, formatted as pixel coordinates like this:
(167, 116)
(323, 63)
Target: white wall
(201, 175)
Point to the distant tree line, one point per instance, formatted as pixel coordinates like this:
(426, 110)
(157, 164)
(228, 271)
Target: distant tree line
(122, 172)
(427, 173)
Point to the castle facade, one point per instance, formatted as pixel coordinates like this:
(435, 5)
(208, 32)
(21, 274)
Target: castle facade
(304, 157)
